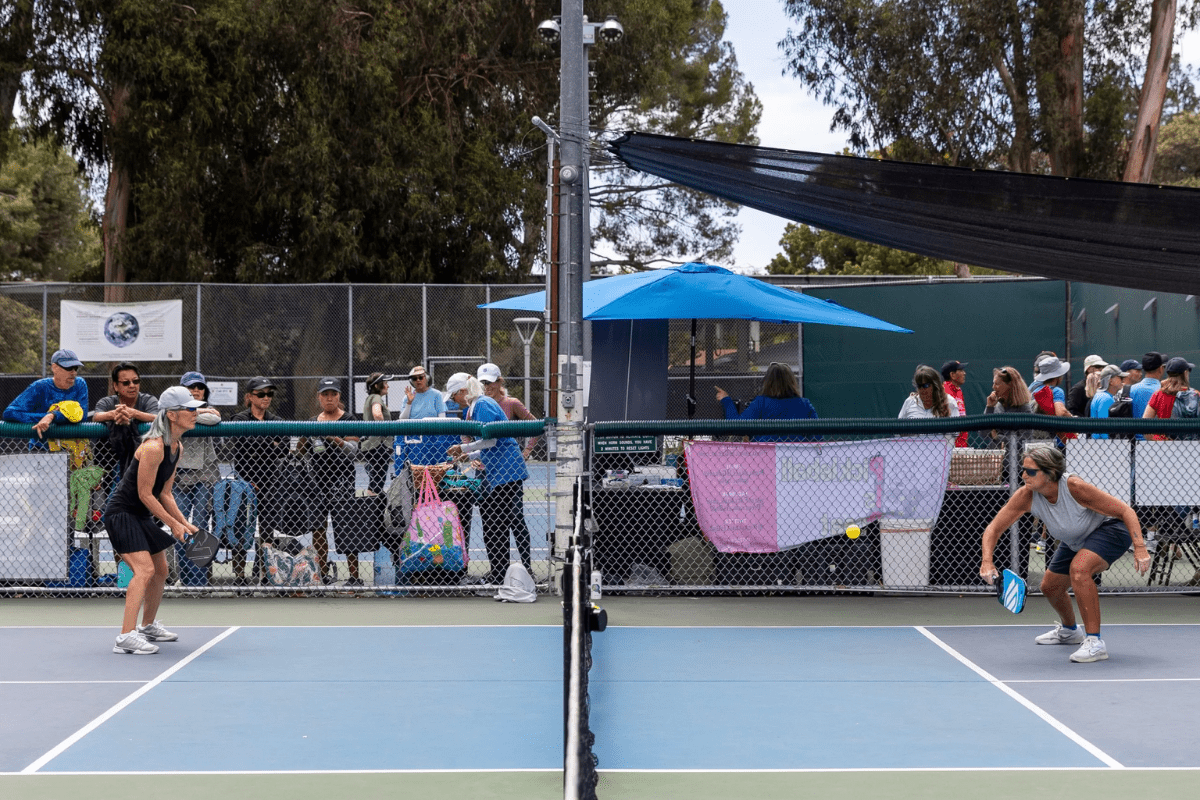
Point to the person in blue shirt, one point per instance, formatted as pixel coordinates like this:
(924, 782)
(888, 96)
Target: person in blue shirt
(33, 405)
(421, 401)
(1140, 393)
(780, 399)
(1111, 381)
(502, 507)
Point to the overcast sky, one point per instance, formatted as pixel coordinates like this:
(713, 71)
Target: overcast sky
(791, 118)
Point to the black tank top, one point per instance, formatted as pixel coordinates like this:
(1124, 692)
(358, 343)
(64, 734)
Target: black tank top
(126, 499)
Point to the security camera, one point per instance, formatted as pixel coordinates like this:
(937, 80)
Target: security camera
(611, 31)
(549, 31)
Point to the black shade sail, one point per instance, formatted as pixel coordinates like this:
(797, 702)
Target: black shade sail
(1135, 235)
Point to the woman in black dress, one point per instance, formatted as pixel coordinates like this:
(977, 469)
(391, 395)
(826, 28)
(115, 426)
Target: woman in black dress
(143, 494)
(333, 470)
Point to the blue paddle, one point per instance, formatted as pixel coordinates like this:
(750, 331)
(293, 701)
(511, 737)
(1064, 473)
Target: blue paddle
(1010, 591)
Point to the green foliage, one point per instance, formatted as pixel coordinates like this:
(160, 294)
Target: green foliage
(809, 250)
(46, 231)
(378, 140)
(1178, 155)
(20, 346)
(982, 84)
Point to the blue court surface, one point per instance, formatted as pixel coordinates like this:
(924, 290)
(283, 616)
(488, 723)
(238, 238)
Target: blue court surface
(462, 698)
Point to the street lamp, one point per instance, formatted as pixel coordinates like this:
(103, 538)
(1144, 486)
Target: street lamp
(526, 329)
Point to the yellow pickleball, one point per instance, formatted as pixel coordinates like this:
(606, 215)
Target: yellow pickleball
(853, 531)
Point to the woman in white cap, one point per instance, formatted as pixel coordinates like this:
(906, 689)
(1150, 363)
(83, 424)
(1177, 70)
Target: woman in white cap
(493, 386)
(502, 508)
(143, 494)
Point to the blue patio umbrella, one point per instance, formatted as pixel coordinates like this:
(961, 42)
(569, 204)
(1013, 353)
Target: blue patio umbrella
(700, 291)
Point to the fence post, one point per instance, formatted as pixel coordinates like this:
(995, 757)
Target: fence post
(350, 344)
(1014, 483)
(198, 369)
(45, 330)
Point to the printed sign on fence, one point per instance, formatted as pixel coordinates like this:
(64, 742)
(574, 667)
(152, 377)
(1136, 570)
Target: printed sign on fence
(762, 498)
(123, 331)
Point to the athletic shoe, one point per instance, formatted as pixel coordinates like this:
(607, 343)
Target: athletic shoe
(1092, 649)
(133, 642)
(155, 632)
(1040, 546)
(1061, 635)
(353, 582)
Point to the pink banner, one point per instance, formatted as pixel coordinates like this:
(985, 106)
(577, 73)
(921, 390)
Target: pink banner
(733, 489)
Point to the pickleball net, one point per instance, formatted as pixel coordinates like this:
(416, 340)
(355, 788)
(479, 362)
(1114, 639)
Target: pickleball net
(579, 760)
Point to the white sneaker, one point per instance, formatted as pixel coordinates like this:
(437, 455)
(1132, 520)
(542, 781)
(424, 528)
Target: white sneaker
(1061, 635)
(155, 632)
(1092, 649)
(133, 642)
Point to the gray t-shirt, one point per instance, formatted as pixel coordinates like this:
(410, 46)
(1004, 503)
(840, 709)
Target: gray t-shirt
(1066, 520)
(145, 402)
(371, 442)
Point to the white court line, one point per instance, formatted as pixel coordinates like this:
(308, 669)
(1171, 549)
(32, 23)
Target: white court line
(1054, 723)
(1102, 680)
(107, 715)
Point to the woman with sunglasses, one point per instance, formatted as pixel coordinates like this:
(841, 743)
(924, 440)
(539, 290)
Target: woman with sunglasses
(930, 399)
(421, 401)
(255, 460)
(143, 494)
(1093, 530)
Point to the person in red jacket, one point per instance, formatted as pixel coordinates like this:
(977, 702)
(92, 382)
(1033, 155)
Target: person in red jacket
(954, 375)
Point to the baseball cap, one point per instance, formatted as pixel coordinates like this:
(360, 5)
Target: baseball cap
(1177, 366)
(457, 381)
(1130, 363)
(190, 379)
(328, 385)
(952, 366)
(1152, 361)
(66, 359)
(488, 373)
(1094, 361)
(1109, 372)
(254, 384)
(178, 397)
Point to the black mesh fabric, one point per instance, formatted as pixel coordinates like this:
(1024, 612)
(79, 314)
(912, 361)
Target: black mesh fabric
(1119, 234)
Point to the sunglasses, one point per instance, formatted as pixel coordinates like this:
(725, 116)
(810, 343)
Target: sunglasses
(263, 394)
(419, 378)
(1030, 471)
(134, 382)
(924, 385)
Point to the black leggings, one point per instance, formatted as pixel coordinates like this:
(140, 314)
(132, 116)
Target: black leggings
(377, 462)
(502, 511)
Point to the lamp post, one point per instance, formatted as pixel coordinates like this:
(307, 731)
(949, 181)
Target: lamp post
(526, 329)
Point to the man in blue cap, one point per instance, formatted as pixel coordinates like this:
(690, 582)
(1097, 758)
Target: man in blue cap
(60, 399)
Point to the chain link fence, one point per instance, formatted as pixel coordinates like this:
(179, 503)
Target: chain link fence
(878, 506)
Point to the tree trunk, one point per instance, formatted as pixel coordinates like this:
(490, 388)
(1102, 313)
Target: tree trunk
(16, 46)
(1154, 91)
(1058, 63)
(1016, 85)
(116, 203)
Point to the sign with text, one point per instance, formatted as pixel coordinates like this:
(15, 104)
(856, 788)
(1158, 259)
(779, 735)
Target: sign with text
(625, 444)
(762, 498)
(123, 331)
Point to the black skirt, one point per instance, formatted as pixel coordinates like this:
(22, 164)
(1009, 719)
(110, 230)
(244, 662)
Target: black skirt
(132, 534)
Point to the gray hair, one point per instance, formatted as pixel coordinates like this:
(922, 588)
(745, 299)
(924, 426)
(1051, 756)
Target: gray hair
(1049, 460)
(160, 428)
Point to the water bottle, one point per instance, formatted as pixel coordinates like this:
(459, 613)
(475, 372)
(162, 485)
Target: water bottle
(318, 444)
(595, 585)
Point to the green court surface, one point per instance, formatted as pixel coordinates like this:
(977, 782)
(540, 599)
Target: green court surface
(667, 612)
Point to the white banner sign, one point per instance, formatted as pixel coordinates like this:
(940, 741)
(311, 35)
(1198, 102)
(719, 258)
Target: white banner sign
(123, 331)
(762, 498)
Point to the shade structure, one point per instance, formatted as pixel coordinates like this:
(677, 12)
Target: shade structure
(700, 291)
(1140, 236)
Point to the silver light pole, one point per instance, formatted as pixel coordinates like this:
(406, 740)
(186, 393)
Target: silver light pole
(527, 329)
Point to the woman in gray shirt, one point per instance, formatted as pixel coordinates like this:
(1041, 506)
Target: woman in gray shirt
(1093, 529)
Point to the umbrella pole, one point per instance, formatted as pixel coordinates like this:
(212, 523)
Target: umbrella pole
(691, 395)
